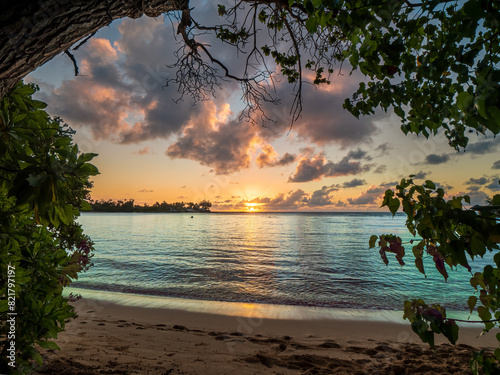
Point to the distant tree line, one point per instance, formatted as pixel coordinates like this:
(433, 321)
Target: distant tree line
(129, 206)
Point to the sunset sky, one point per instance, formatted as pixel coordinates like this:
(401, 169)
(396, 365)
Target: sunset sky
(153, 149)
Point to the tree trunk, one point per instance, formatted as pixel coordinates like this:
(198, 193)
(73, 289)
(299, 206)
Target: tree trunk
(32, 33)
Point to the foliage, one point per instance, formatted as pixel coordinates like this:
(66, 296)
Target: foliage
(129, 206)
(435, 62)
(43, 184)
(451, 235)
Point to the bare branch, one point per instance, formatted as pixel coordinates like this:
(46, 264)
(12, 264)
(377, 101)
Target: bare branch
(75, 65)
(289, 46)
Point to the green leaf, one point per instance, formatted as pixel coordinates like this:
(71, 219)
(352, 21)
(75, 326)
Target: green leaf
(497, 354)
(37, 357)
(89, 169)
(495, 201)
(83, 158)
(430, 185)
(472, 303)
(419, 263)
(484, 313)
(373, 240)
(450, 331)
(464, 100)
(48, 345)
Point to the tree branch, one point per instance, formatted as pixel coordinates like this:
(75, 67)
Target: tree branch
(75, 65)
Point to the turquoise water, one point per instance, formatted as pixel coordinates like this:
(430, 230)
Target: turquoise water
(309, 259)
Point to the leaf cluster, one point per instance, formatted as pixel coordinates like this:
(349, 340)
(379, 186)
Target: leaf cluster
(451, 235)
(44, 181)
(435, 62)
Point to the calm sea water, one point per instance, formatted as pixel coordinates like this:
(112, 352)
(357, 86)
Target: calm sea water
(315, 259)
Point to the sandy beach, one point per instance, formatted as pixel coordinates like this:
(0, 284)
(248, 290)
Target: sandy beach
(108, 338)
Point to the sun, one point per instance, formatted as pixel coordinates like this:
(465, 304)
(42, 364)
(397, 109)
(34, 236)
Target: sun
(252, 207)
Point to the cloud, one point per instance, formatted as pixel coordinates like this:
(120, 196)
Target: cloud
(380, 169)
(420, 175)
(353, 183)
(476, 196)
(358, 155)
(488, 182)
(496, 165)
(323, 126)
(270, 158)
(309, 169)
(476, 181)
(317, 167)
(120, 88)
(494, 184)
(292, 200)
(383, 148)
(482, 147)
(444, 186)
(369, 196)
(435, 159)
(144, 151)
(224, 146)
(322, 197)
(391, 184)
(146, 191)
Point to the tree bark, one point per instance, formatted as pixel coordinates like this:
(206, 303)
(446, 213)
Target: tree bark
(32, 33)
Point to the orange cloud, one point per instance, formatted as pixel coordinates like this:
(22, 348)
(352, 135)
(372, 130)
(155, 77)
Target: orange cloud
(270, 158)
(144, 151)
(101, 49)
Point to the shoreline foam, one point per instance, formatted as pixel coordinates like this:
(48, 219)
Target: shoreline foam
(255, 310)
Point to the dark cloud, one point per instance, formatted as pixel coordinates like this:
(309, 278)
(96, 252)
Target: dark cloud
(482, 147)
(391, 184)
(444, 186)
(323, 120)
(476, 181)
(380, 169)
(340, 203)
(496, 165)
(317, 167)
(321, 197)
(420, 175)
(345, 167)
(435, 159)
(494, 184)
(286, 159)
(353, 183)
(146, 191)
(369, 196)
(358, 155)
(383, 148)
(323, 126)
(309, 169)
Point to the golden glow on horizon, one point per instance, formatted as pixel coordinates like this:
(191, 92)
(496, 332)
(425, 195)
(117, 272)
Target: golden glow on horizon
(252, 207)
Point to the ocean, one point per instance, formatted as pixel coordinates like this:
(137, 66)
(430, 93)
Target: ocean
(295, 259)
